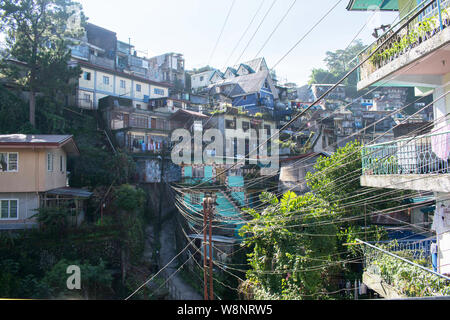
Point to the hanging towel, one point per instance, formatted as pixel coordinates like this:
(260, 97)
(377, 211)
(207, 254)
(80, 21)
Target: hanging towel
(440, 143)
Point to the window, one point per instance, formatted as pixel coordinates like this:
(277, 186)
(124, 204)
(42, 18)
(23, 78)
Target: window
(61, 163)
(123, 84)
(138, 88)
(50, 158)
(106, 80)
(230, 124)
(245, 125)
(9, 162)
(159, 91)
(9, 209)
(87, 76)
(87, 97)
(138, 106)
(202, 78)
(199, 173)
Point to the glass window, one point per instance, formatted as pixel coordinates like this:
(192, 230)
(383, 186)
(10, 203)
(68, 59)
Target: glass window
(122, 84)
(87, 76)
(4, 209)
(12, 162)
(138, 88)
(50, 162)
(9, 209)
(13, 212)
(4, 162)
(106, 80)
(158, 91)
(9, 162)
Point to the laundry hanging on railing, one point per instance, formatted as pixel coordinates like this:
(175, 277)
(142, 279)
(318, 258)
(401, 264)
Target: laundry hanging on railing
(440, 142)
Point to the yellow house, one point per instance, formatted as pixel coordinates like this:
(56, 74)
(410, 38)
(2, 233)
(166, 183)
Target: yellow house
(33, 170)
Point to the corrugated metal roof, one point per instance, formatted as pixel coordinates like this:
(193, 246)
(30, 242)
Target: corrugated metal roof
(79, 193)
(39, 141)
(35, 138)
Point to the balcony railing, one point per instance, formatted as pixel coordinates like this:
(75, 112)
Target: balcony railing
(396, 269)
(102, 62)
(426, 154)
(433, 19)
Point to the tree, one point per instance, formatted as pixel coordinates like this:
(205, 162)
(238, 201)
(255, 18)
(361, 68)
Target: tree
(338, 63)
(291, 258)
(298, 241)
(37, 54)
(96, 280)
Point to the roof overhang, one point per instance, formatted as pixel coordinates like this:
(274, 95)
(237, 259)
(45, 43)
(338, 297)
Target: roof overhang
(373, 5)
(19, 141)
(70, 192)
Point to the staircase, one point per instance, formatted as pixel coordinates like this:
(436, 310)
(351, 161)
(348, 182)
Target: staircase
(228, 195)
(103, 128)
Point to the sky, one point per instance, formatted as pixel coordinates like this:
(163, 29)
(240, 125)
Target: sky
(193, 27)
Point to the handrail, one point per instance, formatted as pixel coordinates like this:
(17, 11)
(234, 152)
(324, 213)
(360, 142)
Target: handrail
(390, 30)
(403, 259)
(407, 139)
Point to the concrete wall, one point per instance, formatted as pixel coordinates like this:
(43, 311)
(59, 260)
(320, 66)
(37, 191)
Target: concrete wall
(425, 182)
(442, 106)
(196, 81)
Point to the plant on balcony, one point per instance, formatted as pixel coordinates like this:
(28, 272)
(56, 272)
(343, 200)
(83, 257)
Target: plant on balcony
(416, 35)
(408, 279)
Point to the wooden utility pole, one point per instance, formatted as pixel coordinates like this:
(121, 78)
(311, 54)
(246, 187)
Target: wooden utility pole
(205, 219)
(208, 209)
(210, 216)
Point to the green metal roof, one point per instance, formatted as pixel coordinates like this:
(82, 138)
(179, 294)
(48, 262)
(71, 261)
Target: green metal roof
(372, 5)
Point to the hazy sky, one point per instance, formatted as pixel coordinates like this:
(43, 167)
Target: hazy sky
(192, 27)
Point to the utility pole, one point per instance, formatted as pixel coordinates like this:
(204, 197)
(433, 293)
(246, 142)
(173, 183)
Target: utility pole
(205, 277)
(208, 210)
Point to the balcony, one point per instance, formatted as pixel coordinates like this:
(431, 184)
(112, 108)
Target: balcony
(418, 163)
(80, 51)
(102, 62)
(402, 269)
(426, 39)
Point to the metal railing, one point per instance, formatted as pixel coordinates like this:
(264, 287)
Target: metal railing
(434, 17)
(417, 155)
(418, 249)
(407, 277)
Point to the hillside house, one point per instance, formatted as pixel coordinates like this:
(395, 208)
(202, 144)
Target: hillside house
(33, 174)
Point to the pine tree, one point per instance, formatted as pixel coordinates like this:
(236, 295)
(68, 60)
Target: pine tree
(38, 35)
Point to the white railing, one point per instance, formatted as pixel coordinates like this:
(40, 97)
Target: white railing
(426, 154)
